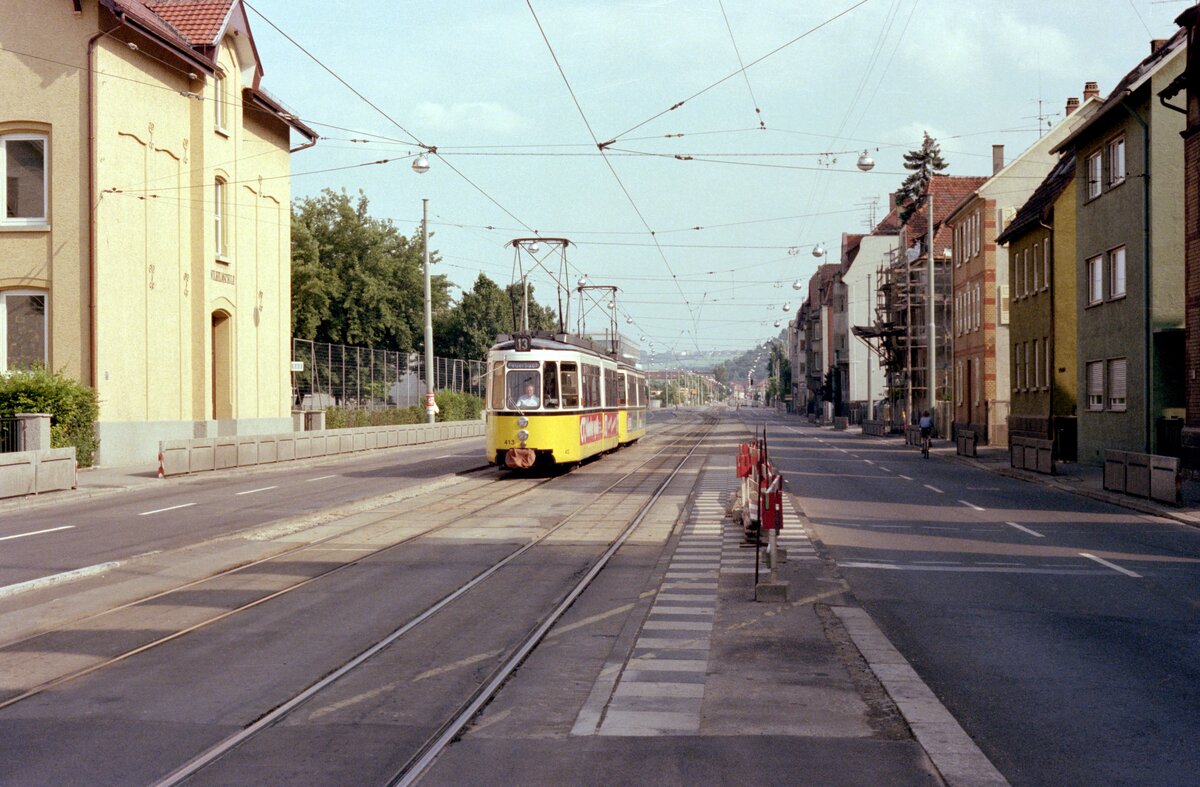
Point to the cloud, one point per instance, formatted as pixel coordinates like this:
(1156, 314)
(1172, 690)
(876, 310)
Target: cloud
(470, 116)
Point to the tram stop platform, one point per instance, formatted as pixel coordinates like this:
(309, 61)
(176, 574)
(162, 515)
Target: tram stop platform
(697, 683)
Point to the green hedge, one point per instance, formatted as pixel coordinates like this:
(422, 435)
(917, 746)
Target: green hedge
(452, 406)
(73, 408)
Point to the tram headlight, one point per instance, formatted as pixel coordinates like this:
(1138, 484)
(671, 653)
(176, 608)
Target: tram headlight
(522, 435)
(522, 422)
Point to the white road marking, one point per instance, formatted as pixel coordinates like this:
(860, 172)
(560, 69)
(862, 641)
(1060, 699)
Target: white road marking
(252, 491)
(934, 489)
(868, 461)
(906, 478)
(169, 508)
(57, 579)
(321, 478)
(884, 469)
(975, 569)
(969, 504)
(1024, 529)
(1113, 566)
(37, 532)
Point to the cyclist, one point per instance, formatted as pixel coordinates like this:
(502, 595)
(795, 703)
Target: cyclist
(926, 424)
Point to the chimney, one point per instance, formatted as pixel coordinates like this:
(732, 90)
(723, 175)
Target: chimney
(1091, 90)
(997, 158)
(1157, 44)
(1072, 105)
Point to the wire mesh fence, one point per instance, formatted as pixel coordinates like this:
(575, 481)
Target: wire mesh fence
(338, 375)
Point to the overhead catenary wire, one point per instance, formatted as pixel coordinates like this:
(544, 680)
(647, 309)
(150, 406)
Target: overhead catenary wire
(742, 67)
(608, 163)
(751, 64)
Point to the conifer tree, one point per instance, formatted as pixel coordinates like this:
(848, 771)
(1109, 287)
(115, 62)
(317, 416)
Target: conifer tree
(922, 163)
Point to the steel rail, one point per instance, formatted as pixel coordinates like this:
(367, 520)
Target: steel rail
(222, 748)
(60, 680)
(430, 751)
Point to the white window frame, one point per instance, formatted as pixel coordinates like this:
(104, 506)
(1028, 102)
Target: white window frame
(978, 380)
(978, 305)
(1025, 273)
(220, 103)
(1094, 175)
(1116, 272)
(1115, 149)
(4, 296)
(1034, 247)
(1094, 371)
(221, 217)
(1046, 380)
(1115, 403)
(1095, 279)
(1019, 366)
(1046, 264)
(1037, 365)
(29, 221)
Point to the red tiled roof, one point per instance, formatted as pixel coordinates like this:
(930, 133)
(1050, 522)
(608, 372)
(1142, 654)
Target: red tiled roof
(200, 21)
(948, 192)
(890, 224)
(141, 13)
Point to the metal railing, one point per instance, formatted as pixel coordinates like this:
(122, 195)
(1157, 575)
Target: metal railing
(10, 435)
(338, 375)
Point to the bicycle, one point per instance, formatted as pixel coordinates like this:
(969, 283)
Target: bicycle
(926, 439)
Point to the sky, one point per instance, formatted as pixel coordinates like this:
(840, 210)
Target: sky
(703, 215)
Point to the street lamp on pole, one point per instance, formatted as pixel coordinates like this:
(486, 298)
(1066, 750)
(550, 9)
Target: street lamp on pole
(430, 371)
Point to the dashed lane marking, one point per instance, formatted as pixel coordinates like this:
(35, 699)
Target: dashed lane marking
(969, 504)
(253, 491)
(906, 478)
(320, 478)
(1113, 566)
(932, 488)
(1024, 529)
(37, 532)
(168, 508)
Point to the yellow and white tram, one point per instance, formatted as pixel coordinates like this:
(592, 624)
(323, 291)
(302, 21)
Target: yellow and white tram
(557, 399)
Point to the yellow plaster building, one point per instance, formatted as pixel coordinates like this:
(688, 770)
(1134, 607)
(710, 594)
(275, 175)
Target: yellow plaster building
(145, 230)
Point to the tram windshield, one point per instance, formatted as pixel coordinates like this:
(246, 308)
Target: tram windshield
(523, 386)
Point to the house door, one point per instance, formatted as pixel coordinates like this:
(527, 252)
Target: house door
(222, 366)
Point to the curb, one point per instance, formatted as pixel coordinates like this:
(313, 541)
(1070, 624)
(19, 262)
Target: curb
(67, 496)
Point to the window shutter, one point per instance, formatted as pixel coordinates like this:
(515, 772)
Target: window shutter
(1002, 304)
(1116, 384)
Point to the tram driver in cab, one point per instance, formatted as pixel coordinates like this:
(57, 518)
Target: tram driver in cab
(530, 398)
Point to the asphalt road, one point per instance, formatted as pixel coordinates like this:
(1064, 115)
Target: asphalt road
(1063, 633)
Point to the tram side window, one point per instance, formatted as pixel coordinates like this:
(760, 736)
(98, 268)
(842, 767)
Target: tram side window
(610, 388)
(550, 376)
(570, 384)
(497, 386)
(591, 385)
(622, 390)
(523, 388)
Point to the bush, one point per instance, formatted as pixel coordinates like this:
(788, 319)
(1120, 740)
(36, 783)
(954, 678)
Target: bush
(73, 408)
(452, 406)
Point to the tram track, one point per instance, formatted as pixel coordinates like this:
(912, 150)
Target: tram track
(447, 730)
(484, 495)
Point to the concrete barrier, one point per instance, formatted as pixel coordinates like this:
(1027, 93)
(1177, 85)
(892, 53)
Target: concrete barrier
(840, 423)
(1032, 453)
(875, 428)
(912, 435)
(1144, 475)
(966, 442)
(179, 457)
(34, 472)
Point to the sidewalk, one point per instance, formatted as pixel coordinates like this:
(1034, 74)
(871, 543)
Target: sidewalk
(1080, 479)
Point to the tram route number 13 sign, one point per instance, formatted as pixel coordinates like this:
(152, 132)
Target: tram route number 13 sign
(596, 425)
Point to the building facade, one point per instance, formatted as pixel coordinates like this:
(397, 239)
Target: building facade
(1189, 81)
(145, 249)
(1130, 262)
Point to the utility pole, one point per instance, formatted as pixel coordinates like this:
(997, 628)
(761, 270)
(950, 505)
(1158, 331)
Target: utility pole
(430, 371)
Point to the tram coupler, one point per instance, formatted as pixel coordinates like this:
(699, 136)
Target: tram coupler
(520, 458)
